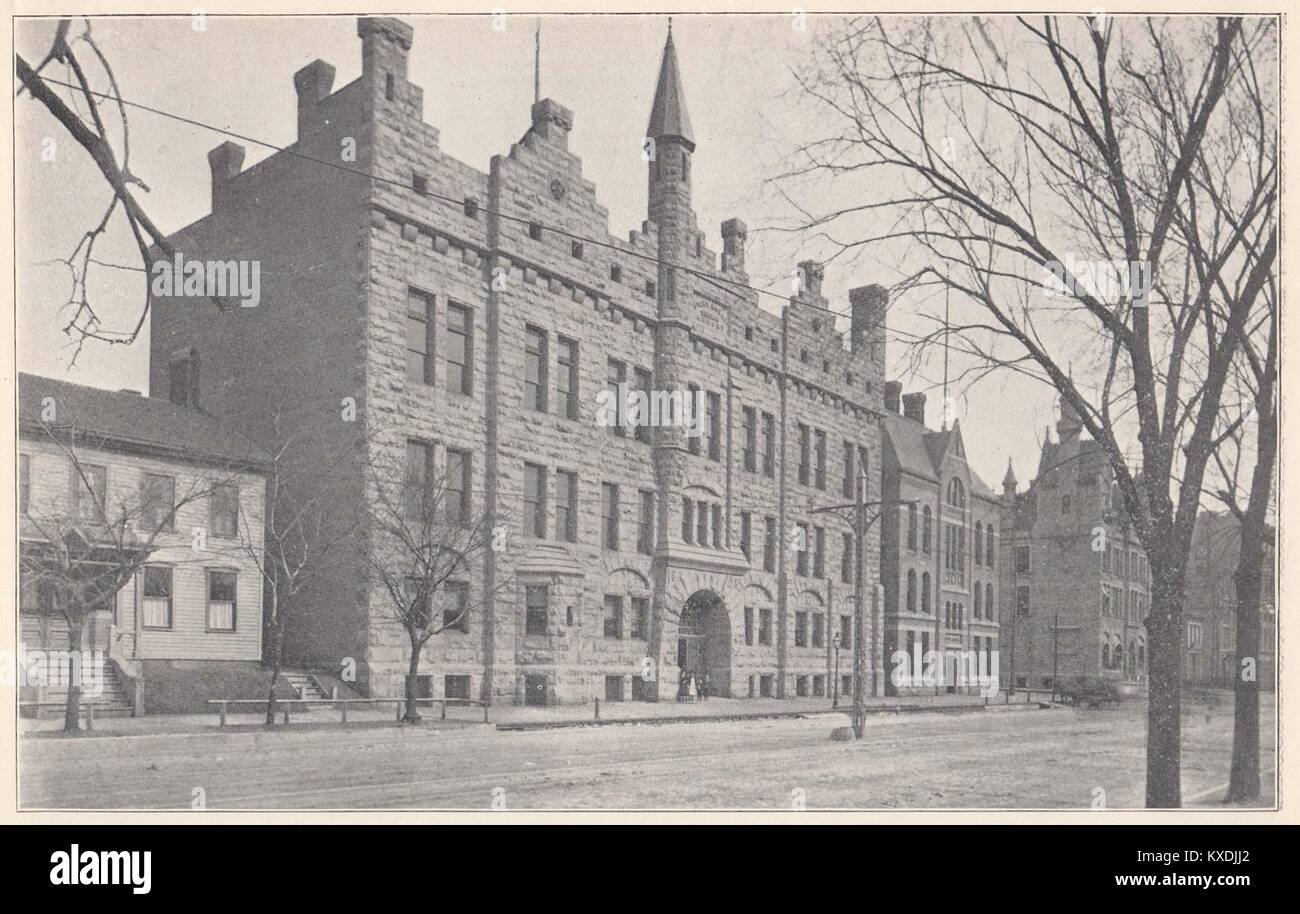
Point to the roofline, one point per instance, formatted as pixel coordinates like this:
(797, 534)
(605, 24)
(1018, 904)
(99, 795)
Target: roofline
(140, 447)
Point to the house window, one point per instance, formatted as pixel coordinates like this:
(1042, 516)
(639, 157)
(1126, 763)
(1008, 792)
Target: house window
(221, 601)
(688, 520)
(609, 515)
(765, 626)
(183, 378)
(717, 526)
(566, 381)
(536, 609)
(455, 687)
(645, 531)
(1022, 560)
(24, 482)
(748, 452)
(769, 445)
(535, 369)
(749, 625)
(818, 630)
(746, 533)
(457, 497)
(223, 508)
(455, 609)
(769, 544)
(615, 378)
(644, 380)
(801, 554)
(847, 566)
(819, 468)
(534, 500)
(613, 617)
(90, 490)
(566, 506)
(819, 552)
(701, 524)
(419, 337)
(1022, 600)
(640, 618)
(157, 502)
(156, 601)
(419, 461)
(805, 444)
(460, 349)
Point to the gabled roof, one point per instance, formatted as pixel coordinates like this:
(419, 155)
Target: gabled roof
(668, 116)
(128, 421)
(921, 452)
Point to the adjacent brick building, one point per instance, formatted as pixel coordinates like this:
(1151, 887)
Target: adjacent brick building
(472, 317)
(939, 550)
(1075, 580)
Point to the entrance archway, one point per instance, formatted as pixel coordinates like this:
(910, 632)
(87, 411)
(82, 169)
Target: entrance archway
(704, 641)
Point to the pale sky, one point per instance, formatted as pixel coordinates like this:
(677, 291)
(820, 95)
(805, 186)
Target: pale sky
(236, 73)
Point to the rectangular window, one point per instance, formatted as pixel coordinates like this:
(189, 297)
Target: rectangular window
(419, 337)
(221, 601)
(765, 683)
(24, 482)
(535, 369)
(1022, 600)
(717, 526)
(455, 687)
(615, 378)
(456, 500)
(156, 600)
(415, 485)
(819, 451)
(769, 544)
(566, 506)
(765, 626)
(645, 530)
(701, 524)
(714, 426)
(805, 445)
(769, 445)
(613, 617)
(157, 502)
(749, 625)
(688, 521)
(460, 349)
(1022, 560)
(90, 490)
(818, 630)
(846, 632)
(819, 552)
(536, 609)
(609, 515)
(697, 422)
(183, 379)
(613, 688)
(746, 533)
(223, 510)
(640, 618)
(749, 438)
(566, 380)
(801, 686)
(455, 606)
(643, 381)
(819, 686)
(534, 500)
(800, 629)
(846, 487)
(847, 564)
(801, 551)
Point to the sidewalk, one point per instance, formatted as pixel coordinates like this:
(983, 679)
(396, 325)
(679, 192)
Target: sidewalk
(510, 716)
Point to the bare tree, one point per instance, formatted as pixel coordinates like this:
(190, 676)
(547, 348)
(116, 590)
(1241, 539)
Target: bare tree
(79, 553)
(1006, 153)
(424, 542)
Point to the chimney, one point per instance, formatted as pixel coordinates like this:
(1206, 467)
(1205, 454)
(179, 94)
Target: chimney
(384, 46)
(734, 233)
(313, 83)
(811, 273)
(893, 390)
(867, 306)
(914, 407)
(552, 121)
(225, 162)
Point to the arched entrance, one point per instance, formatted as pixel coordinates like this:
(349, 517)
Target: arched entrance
(704, 641)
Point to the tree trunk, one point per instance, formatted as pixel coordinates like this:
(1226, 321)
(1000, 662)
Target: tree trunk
(1164, 725)
(412, 715)
(72, 710)
(277, 652)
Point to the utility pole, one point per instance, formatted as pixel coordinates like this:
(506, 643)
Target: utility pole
(1056, 628)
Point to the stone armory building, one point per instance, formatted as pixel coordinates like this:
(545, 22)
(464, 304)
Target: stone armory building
(472, 318)
(1075, 576)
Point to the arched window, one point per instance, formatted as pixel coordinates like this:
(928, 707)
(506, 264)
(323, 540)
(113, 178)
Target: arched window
(1105, 656)
(911, 591)
(988, 544)
(988, 601)
(1132, 655)
(979, 601)
(925, 593)
(1142, 656)
(911, 527)
(1117, 658)
(925, 530)
(979, 544)
(956, 493)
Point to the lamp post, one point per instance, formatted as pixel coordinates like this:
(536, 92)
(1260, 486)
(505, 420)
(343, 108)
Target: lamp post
(855, 515)
(835, 684)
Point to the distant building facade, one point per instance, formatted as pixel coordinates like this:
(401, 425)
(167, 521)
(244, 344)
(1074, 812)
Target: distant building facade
(939, 546)
(90, 459)
(1075, 581)
(471, 317)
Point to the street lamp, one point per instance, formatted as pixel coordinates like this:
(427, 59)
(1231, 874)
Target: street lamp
(835, 683)
(855, 515)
